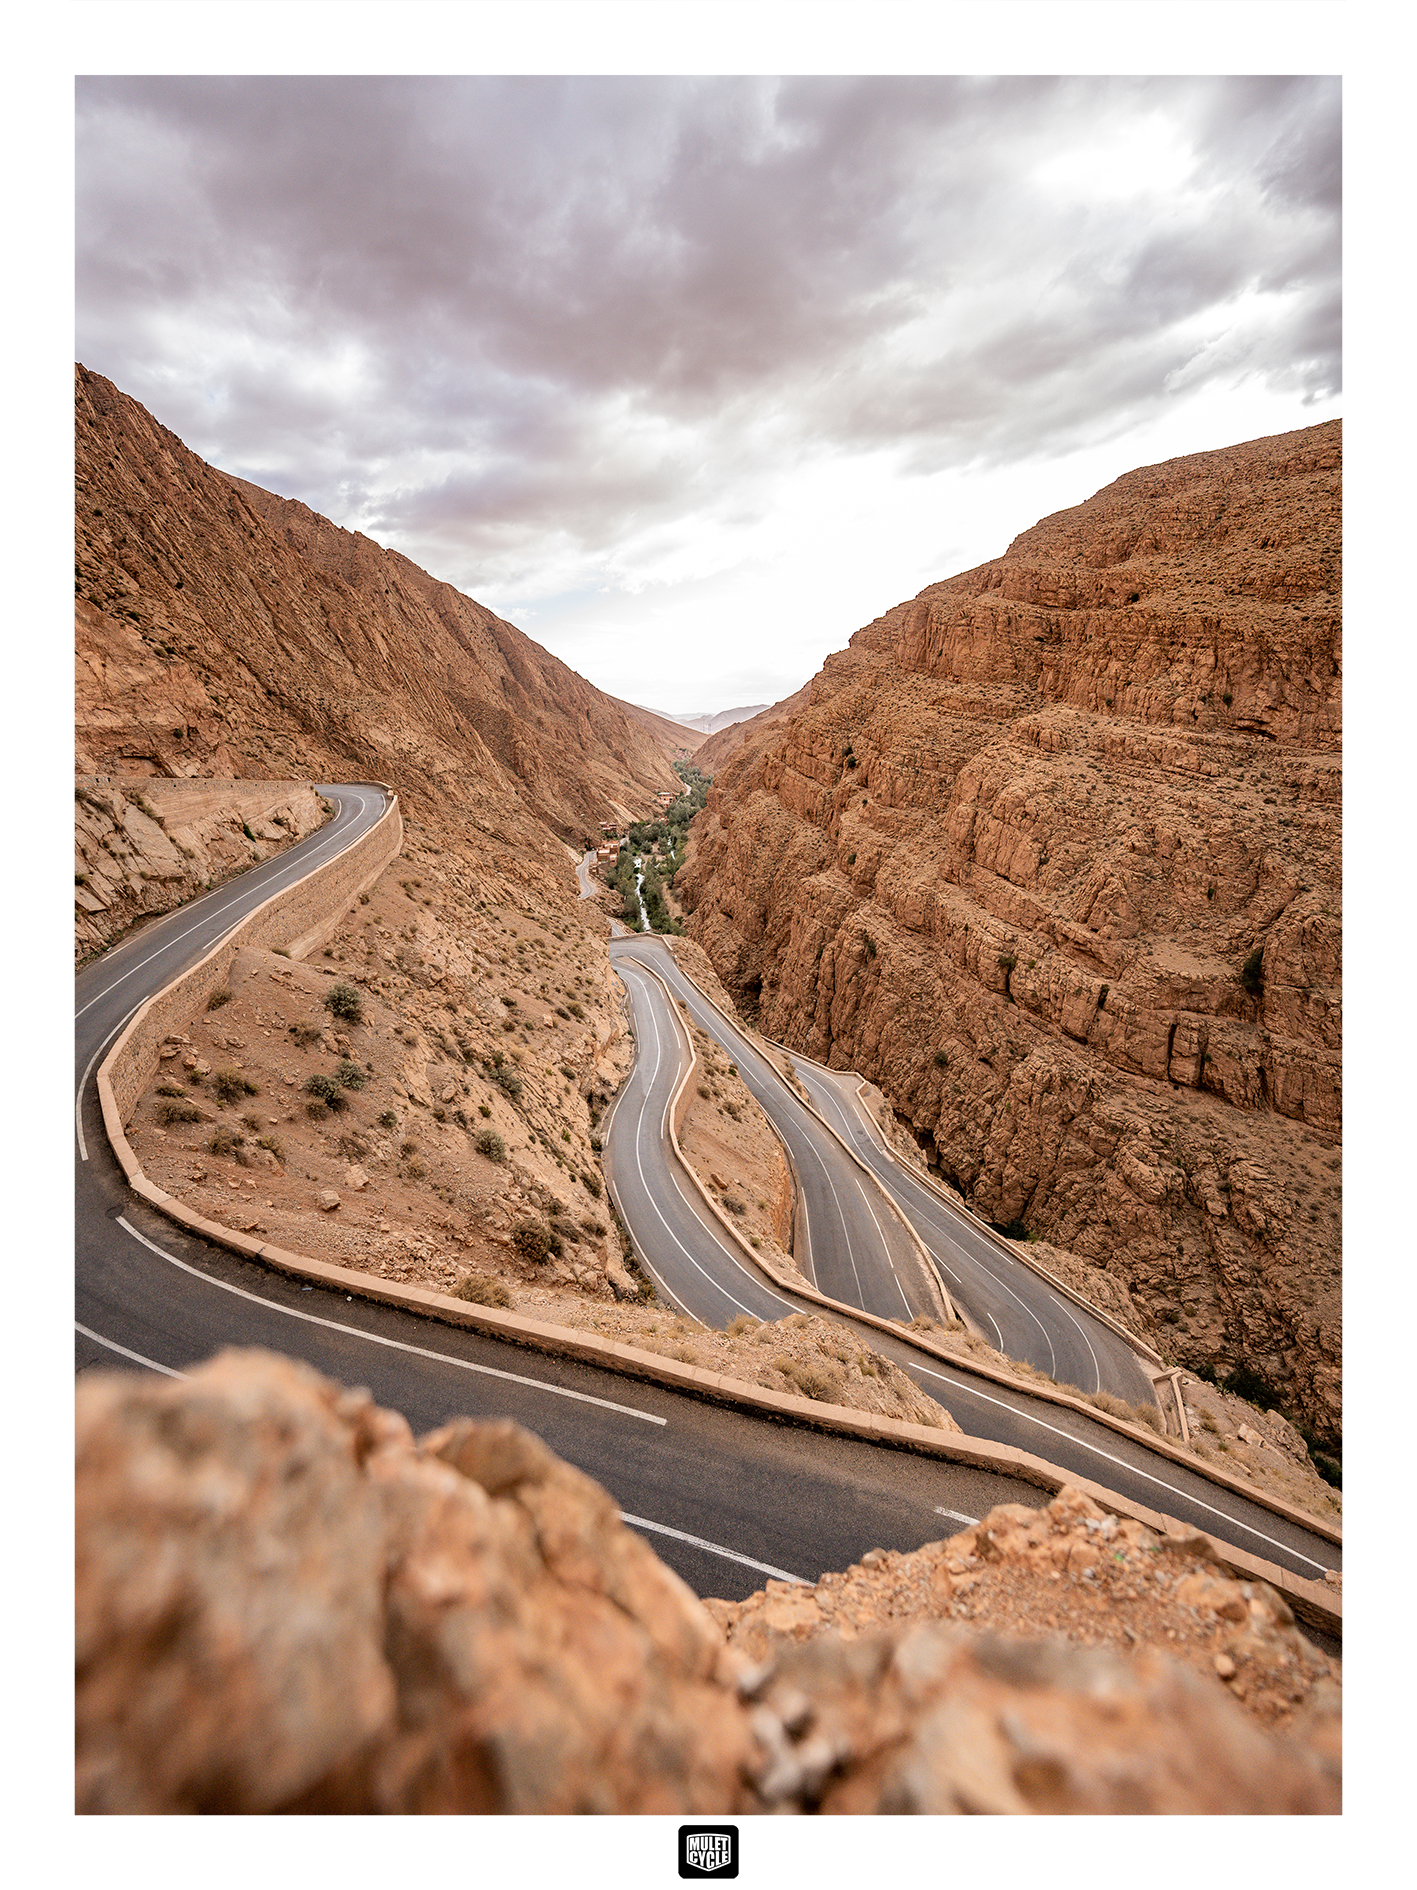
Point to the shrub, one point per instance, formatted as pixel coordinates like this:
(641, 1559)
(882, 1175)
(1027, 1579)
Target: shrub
(532, 1240)
(344, 1001)
(231, 1085)
(306, 1034)
(509, 1080)
(941, 1060)
(349, 1075)
(221, 996)
(1252, 972)
(226, 1143)
(327, 1090)
(591, 1183)
(483, 1110)
(316, 1109)
(482, 1289)
(812, 1380)
(388, 1120)
(440, 1114)
(272, 1144)
(170, 1112)
(170, 1089)
(490, 1144)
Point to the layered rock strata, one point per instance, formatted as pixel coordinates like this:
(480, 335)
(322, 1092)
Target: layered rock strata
(147, 844)
(225, 631)
(285, 1603)
(1052, 854)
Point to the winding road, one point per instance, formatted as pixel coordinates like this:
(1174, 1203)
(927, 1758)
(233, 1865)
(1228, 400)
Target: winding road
(726, 1498)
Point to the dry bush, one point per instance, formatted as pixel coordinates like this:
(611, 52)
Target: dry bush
(482, 1289)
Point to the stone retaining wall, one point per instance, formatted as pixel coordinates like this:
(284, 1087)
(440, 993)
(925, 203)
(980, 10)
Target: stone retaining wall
(295, 921)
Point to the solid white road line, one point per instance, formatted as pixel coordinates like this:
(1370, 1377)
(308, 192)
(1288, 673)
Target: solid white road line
(79, 1092)
(955, 1515)
(123, 1352)
(394, 1345)
(714, 1548)
(306, 863)
(1122, 1464)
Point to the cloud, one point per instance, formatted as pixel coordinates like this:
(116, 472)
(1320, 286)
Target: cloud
(521, 327)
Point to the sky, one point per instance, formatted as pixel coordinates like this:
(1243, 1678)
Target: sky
(691, 377)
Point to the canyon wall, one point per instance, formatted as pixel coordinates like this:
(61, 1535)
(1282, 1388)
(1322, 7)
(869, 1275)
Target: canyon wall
(225, 631)
(1052, 854)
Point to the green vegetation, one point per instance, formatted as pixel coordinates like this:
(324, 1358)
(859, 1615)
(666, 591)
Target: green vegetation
(231, 1085)
(326, 1090)
(490, 1144)
(345, 1002)
(170, 1112)
(534, 1241)
(350, 1076)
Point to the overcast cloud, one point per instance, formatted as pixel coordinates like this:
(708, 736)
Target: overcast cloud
(692, 377)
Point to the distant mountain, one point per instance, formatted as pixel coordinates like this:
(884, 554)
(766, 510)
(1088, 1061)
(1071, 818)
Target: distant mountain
(710, 724)
(677, 740)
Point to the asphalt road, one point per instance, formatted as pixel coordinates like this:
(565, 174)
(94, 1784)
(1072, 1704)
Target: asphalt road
(725, 1498)
(981, 1408)
(1016, 1310)
(849, 1242)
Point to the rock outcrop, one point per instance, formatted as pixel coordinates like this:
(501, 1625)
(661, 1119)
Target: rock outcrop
(284, 1603)
(146, 845)
(1051, 853)
(225, 631)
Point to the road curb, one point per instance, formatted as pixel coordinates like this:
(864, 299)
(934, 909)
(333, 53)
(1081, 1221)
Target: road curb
(1310, 1600)
(927, 1181)
(1159, 1446)
(923, 1254)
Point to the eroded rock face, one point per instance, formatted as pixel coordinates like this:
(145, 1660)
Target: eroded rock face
(285, 1604)
(225, 631)
(1012, 857)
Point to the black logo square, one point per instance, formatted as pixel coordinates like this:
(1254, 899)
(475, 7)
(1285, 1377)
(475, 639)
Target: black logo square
(708, 1850)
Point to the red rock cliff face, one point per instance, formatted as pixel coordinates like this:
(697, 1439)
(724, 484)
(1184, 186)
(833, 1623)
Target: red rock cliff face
(223, 630)
(1011, 860)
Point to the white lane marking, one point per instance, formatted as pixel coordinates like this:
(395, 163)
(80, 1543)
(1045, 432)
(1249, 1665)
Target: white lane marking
(1121, 1462)
(747, 1058)
(649, 1197)
(394, 1345)
(714, 1548)
(824, 1092)
(955, 1515)
(137, 1357)
(79, 1092)
(306, 863)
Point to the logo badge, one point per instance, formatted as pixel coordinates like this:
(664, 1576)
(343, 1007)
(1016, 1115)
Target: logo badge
(708, 1850)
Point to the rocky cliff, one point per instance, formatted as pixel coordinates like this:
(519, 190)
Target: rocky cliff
(285, 1603)
(225, 631)
(1052, 854)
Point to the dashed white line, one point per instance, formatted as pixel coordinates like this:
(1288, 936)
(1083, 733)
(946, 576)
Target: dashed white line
(714, 1548)
(1122, 1464)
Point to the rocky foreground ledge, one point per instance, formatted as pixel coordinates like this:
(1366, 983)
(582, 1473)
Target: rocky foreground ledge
(286, 1603)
